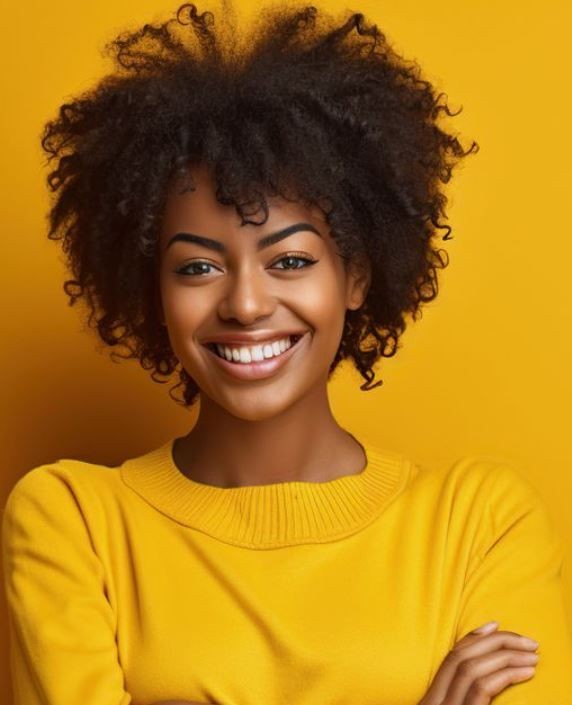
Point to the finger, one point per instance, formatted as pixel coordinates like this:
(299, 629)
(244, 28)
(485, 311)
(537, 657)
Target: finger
(472, 646)
(485, 689)
(475, 671)
(473, 637)
(479, 645)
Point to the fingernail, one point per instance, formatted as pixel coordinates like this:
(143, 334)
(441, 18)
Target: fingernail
(530, 642)
(486, 628)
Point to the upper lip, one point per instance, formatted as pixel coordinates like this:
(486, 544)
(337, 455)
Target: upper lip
(250, 338)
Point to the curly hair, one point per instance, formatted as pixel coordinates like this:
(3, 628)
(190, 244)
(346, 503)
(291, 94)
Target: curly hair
(310, 107)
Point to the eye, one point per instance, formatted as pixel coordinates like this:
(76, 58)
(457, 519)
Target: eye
(200, 268)
(299, 258)
(199, 263)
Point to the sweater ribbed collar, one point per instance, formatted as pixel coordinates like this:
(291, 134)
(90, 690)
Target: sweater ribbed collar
(273, 515)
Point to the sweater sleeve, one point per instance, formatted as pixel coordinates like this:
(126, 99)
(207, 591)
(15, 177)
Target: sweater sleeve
(516, 580)
(62, 626)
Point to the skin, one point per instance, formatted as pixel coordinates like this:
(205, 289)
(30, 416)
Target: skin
(280, 428)
(480, 667)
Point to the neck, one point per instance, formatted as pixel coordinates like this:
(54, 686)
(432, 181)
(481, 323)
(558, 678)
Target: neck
(303, 443)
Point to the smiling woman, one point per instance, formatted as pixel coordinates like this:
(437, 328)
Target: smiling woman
(248, 216)
(273, 301)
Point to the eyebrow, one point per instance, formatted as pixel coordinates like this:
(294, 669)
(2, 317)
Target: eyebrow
(266, 241)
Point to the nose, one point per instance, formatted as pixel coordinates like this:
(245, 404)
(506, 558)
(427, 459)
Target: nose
(246, 297)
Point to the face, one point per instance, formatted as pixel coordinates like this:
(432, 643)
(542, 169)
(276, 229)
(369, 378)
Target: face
(277, 306)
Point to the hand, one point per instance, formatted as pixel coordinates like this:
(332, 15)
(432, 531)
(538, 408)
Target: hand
(480, 666)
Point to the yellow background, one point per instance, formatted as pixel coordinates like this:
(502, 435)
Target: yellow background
(484, 371)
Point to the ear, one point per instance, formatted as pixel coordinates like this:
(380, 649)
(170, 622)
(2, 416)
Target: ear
(358, 283)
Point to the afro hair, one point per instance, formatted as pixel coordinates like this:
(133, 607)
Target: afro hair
(310, 107)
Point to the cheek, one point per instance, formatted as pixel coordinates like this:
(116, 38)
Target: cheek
(320, 302)
(184, 313)
(321, 306)
(184, 307)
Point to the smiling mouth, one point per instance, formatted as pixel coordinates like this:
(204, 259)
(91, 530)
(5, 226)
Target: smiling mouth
(252, 354)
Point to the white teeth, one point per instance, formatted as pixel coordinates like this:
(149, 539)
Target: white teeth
(255, 353)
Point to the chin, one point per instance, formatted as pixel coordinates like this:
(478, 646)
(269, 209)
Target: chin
(253, 405)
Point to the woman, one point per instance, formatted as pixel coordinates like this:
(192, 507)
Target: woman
(248, 216)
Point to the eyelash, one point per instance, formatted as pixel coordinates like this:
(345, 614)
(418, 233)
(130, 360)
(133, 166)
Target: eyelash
(292, 255)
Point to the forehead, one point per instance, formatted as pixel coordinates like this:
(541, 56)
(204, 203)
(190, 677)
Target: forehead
(201, 212)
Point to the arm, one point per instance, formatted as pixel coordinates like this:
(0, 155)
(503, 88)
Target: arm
(62, 627)
(516, 580)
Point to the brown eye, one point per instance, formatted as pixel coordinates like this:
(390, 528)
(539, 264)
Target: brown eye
(202, 267)
(199, 264)
(296, 258)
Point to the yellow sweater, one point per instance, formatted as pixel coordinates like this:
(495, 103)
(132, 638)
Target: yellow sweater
(135, 584)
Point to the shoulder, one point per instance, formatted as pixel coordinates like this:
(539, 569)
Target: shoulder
(474, 479)
(486, 498)
(77, 475)
(66, 486)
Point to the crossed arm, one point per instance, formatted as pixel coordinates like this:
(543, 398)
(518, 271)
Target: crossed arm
(515, 579)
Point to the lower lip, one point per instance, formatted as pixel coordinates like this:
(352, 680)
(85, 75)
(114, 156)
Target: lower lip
(261, 369)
